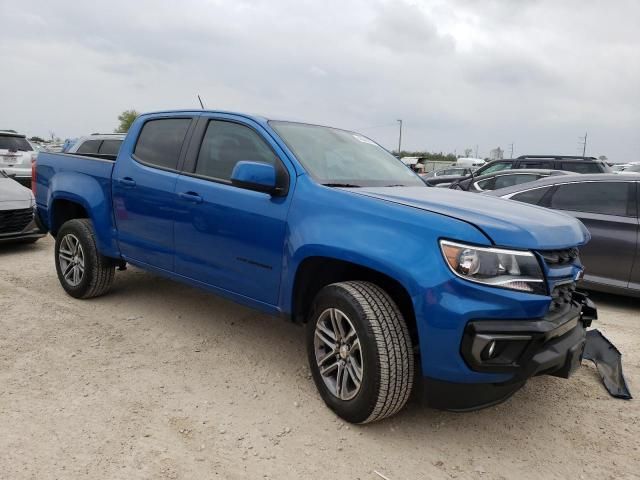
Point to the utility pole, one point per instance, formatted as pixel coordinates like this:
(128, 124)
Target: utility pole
(400, 139)
(477, 151)
(584, 144)
(511, 145)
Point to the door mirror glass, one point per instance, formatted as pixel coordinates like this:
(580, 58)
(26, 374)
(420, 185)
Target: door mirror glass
(257, 176)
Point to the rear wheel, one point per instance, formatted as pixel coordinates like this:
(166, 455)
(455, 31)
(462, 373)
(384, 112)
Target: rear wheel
(82, 271)
(360, 351)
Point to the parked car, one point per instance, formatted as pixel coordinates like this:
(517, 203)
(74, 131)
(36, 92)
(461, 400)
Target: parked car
(618, 167)
(16, 155)
(105, 146)
(551, 162)
(18, 222)
(503, 178)
(608, 205)
(547, 162)
(632, 168)
(325, 227)
(451, 171)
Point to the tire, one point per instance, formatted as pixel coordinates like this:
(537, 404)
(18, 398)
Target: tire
(382, 347)
(98, 271)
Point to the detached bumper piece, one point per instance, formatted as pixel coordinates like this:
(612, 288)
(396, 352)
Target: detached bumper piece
(553, 345)
(608, 361)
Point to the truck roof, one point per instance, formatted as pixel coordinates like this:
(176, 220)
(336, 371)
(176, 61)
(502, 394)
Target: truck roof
(258, 118)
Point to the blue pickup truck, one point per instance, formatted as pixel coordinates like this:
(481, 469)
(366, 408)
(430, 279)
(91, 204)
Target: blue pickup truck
(398, 284)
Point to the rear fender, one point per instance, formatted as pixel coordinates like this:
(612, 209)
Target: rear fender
(94, 196)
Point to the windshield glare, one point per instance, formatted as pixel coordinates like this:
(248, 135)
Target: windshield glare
(340, 157)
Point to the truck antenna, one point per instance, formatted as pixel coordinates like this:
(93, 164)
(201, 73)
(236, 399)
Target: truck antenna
(200, 100)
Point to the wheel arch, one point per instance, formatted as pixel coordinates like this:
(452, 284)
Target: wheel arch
(315, 272)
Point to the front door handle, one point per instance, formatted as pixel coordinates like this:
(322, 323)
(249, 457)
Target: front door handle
(127, 182)
(190, 197)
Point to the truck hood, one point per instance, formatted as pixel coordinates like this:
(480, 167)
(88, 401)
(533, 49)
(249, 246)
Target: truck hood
(505, 222)
(13, 195)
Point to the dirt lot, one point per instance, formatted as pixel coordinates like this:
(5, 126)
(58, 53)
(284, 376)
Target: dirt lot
(158, 380)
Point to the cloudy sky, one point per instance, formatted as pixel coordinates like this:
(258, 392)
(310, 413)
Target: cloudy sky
(460, 73)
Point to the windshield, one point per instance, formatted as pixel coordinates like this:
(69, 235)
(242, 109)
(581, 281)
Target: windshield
(341, 158)
(14, 144)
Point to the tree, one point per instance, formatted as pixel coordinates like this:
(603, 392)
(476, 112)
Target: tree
(126, 118)
(37, 139)
(468, 152)
(603, 158)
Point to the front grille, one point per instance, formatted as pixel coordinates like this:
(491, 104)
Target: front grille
(559, 257)
(561, 296)
(13, 221)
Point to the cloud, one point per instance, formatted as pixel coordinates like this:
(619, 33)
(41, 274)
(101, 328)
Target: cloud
(458, 72)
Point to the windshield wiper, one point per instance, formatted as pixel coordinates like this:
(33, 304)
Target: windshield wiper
(396, 185)
(346, 185)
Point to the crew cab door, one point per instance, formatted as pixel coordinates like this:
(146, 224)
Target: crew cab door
(226, 236)
(143, 186)
(609, 211)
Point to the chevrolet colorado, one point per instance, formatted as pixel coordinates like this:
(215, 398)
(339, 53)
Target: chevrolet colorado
(397, 283)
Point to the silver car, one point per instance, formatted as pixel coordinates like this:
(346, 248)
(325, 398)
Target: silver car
(18, 219)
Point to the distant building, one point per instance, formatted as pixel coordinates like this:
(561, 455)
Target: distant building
(496, 154)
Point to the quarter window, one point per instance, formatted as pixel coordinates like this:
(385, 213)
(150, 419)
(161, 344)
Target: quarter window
(160, 142)
(582, 167)
(225, 144)
(608, 198)
(532, 196)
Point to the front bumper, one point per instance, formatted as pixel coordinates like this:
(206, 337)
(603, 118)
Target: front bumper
(552, 345)
(34, 230)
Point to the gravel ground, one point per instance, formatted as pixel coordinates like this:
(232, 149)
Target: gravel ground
(162, 381)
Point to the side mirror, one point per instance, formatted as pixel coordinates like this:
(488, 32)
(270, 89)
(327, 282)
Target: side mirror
(257, 176)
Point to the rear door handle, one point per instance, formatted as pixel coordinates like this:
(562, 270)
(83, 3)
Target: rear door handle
(190, 197)
(127, 182)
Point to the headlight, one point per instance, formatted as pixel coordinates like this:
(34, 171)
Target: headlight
(513, 269)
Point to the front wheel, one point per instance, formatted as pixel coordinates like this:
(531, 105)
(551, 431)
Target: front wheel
(360, 351)
(82, 271)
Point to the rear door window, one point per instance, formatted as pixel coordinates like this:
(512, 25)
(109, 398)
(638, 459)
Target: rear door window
(515, 179)
(536, 164)
(89, 146)
(110, 147)
(582, 167)
(607, 198)
(496, 168)
(160, 142)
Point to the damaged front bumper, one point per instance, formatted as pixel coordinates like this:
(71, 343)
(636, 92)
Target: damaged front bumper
(553, 345)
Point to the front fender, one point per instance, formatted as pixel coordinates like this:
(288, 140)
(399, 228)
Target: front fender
(398, 241)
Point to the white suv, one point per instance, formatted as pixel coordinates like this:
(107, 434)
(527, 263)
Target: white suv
(105, 145)
(16, 156)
